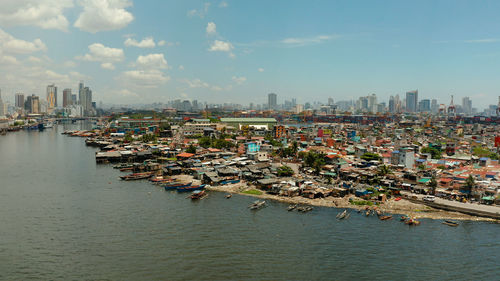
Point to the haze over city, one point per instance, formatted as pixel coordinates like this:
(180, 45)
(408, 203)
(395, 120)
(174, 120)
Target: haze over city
(137, 52)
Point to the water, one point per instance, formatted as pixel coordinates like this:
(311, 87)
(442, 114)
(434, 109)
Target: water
(64, 217)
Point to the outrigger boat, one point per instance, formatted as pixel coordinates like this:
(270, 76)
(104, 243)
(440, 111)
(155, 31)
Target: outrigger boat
(160, 180)
(123, 165)
(291, 207)
(229, 181)
(175, 185)
(228, 196)
(190, 188)
(451, 223)
(137, 176)
(257, 205)
(198, 194)
(412, 222)
(342, 215)
(304, 209)
(384, 218)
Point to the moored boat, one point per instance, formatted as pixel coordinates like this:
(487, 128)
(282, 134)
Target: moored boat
(257, 205)
(228, 196)
(412, 222)
(190, 188)
(175, 185)
(137, 176)
(292, 207)
(198, 194)
(451, 223)
(383, 218)
(342, 215)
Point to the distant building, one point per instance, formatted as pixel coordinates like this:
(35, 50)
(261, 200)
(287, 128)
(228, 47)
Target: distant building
(434, 106)
(411, 101)
(67, 98)
(258, 123)
(74, 100)
(424, 105)
(405, 156)
(85, 96)
(272, 101)
(467, 105)
(51, 96)
(392, 105)
(32, 104)
(2, 111)
(20, 100)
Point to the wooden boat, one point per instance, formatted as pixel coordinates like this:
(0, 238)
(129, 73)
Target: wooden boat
(304, 209)
(367, 213)
(190, 188)
(175, 185)
(291, 207)
(137, 176)
(342, 215)
(126, 169)
(259, 204)
(404, 218)
(228, 196)
(229, 181)
(159, 180)
(451, 223)
(397, 199)
(198, 194)
(412, 222)
(383, 218)
(121, 166)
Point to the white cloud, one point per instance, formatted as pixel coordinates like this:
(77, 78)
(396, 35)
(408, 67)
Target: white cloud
(8, 60)
(107, 65)
(181, 67)
(299, 42)
(261, 69)
(211, 28)
(104, 15)
(486, 40)
(47, 14)
(221, 46)
(195, 83)
(162, 43)
(69, 63)
(33, 59)
(99, 52)
(145, 78)
(152, 61)
(223, 4)
(201, 13)
(9, 44)
(239, 80)
(147, 42)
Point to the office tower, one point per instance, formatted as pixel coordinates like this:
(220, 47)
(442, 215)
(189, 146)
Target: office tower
(195, 105)
(32, 104)
(411, 101)
(424, 105)
(392, 105)
(51, 96)
(330, 101)
(434, 106)
(74, 100)
(271, 101)
(20, 100)
(85, 97)
(2, 113)
(67, 97)
(294, 102)
(467, 105)
(372, 103)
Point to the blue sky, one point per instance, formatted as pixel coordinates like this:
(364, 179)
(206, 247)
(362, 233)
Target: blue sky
(238, 51)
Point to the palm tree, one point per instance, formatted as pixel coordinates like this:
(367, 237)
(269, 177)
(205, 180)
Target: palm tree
(383, 170)
(470, 184)
(433, 184)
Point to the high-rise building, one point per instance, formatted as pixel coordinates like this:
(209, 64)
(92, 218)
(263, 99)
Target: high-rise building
(74, 100)
(67, 98)
(272, 101)
(372, 103)
(467, 105)
(424, 105)
(2, 113)
(392, 105)
(411, 101)
(51, 96)
(32, 104)
(434, 106)
(85, 96)
(330, 101)
(20, 100)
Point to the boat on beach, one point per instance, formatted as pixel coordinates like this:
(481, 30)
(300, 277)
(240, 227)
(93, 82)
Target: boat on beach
(160, 180)
(137, 176)
(175, 185)
(384, 218)
(233, 181)
(451, 223)
(123, 165)
(190, 188)
(412, 222)
(304, 209)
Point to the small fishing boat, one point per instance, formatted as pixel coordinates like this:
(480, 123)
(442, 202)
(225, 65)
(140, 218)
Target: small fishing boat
(126, 169)
(397, 199)
(367, 213)
(228, 196)
(384, 218)
(259, 204)
(404, 218)
(229, 181)
(342, 215)
(304, 209)
(198, 194)
(291, 207)
(175, 185)
(451, 223)
(123, 165)
(412, 222)
(159, 180)
(190, 188)
(137, 176)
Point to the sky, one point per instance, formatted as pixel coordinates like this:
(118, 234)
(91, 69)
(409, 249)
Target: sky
(131, 52)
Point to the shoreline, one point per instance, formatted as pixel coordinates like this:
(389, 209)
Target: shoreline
(402, 207)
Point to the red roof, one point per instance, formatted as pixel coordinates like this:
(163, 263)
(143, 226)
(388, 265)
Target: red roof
(214, 150)
(185, 155)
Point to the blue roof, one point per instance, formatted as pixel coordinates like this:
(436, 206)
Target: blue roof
(421, 160)
(483, 159)
(395, 151)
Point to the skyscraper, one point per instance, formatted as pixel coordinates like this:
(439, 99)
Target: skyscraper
(271, 100)
(392, 105)
(85, 96)
(424, 105)
(67, 100)
(411, 101)
(20, 100)
(32, 104)
(51, 96)
(2, 113)
(434, 106)
(467, 105)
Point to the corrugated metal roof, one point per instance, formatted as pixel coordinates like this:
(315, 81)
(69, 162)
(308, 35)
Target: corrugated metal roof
(248, 120)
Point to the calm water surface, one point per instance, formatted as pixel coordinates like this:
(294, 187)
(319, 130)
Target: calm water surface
(64, 217)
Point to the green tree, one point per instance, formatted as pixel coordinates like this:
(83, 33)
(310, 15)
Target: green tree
(191, 149)
(369, 156)
(435, 153)
(383, 170)
(470, 185)
(433, 184)
(285, 171)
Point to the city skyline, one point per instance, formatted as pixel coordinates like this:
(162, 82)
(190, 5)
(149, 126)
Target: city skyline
(146, 52)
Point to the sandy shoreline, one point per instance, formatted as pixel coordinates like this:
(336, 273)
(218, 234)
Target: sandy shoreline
(390, 207)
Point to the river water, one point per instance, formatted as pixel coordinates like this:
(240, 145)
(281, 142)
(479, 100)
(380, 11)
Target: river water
(62, 217)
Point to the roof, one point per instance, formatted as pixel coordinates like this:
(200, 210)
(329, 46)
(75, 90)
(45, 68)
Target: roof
(185, 155)
(249, 120)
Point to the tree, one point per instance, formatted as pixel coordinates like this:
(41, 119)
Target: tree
(433, 184)
(435, 153)
(470, 184)
(383, 170)
(285, 171)
(191, 149)
(314, 160)
(369, 156)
